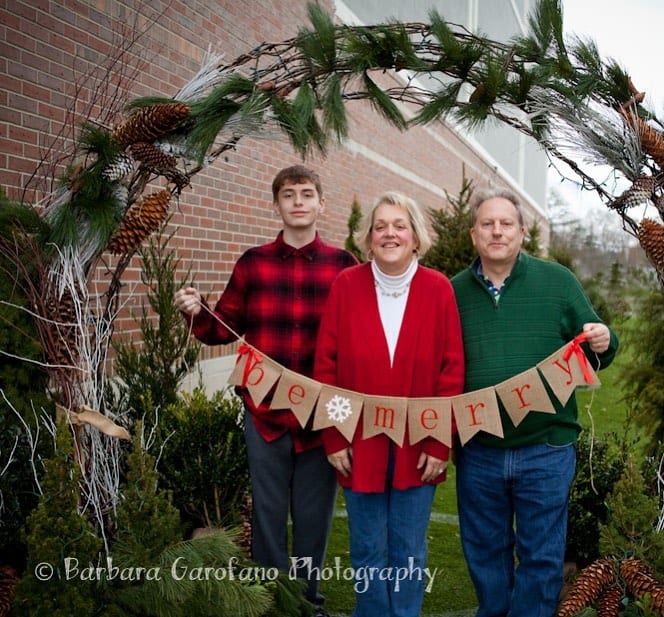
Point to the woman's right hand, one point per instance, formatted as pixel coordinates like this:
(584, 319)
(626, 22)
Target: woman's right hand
(188, 301)
(341, 461)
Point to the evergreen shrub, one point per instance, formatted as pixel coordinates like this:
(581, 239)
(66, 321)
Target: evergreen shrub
(204, 461)
(23, 399)
(594, 480)
(60, 541)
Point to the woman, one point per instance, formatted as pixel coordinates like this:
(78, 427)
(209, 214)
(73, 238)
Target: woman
(390, 328)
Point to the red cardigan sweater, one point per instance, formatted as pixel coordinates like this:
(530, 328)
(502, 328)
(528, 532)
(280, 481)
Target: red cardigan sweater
(352, 353)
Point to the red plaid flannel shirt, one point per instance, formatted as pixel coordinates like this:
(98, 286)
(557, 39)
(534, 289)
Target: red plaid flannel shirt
(275, 298)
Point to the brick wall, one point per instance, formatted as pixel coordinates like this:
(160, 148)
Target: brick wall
(55, 60)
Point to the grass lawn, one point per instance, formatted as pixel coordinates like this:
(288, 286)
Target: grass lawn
(604, 407)
(451, 592)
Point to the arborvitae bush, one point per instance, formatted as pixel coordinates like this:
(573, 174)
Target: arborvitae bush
(453, 249)
(353, 224)
(150, 375)
(531, 244)
(147, 521)
(633, 513)
(643, 378)
(61, 543)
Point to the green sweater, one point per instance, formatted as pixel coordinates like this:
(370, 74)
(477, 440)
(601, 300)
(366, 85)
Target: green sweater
(541, 308)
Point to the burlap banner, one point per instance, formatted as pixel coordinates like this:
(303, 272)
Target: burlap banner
(564, 370)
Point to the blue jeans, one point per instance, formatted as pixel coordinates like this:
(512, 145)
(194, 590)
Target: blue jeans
(515, 501)
(388, 550)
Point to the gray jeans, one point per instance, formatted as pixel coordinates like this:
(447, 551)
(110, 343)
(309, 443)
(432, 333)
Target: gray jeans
(302, 484)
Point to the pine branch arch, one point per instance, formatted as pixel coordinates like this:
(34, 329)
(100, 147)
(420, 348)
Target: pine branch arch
(560, 93)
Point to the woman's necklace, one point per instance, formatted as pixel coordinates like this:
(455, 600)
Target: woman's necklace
(400, 291)
(390, 286)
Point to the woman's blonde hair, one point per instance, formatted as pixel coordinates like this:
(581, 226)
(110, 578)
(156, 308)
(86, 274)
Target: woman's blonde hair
(415, 216)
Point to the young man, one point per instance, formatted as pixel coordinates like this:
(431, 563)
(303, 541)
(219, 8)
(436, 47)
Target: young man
(275, 298)
(513, 491)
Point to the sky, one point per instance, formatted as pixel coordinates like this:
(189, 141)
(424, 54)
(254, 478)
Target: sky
(630, 32)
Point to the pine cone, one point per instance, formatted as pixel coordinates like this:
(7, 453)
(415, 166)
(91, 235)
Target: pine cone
(588, 586)
(121, 195)
(610, 602)
(152, 157)
(640, 581)
(641, 191)
(150, 122)
(118, 168)
(651, 139)
(63, 345)
(8, 580)
(160, 162)
(140, 220)
(651, 238)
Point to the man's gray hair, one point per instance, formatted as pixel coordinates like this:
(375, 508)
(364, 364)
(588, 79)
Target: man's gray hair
(481, 195)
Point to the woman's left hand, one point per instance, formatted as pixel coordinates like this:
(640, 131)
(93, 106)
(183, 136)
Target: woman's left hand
(433, 467)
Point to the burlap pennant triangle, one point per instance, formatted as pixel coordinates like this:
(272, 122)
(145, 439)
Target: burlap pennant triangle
(338, 408)
(477, 411)
(271, 372)
(524, 393)
(564, 374)
(385, 415)
(430, 417)
(297, 393)
(256, 372)
(247, 358)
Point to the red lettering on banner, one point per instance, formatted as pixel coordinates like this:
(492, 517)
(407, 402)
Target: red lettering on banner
(429, 414)
(518, 393)
(472, 413)
(387, 412)
(253, 368)
(567, 370)
(295, 394)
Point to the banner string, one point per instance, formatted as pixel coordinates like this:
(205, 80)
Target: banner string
(592, 434)
(244, 348)
(221, 321)
(184, 355)
(575, 348)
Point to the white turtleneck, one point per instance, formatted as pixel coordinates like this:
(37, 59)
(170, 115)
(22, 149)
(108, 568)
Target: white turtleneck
(392, 295)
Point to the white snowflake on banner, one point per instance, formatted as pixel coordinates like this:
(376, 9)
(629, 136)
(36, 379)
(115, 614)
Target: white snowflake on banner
(338, 408)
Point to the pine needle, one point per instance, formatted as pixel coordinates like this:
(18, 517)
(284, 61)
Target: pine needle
(383, 103)
(209, 75)
(211, 114)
